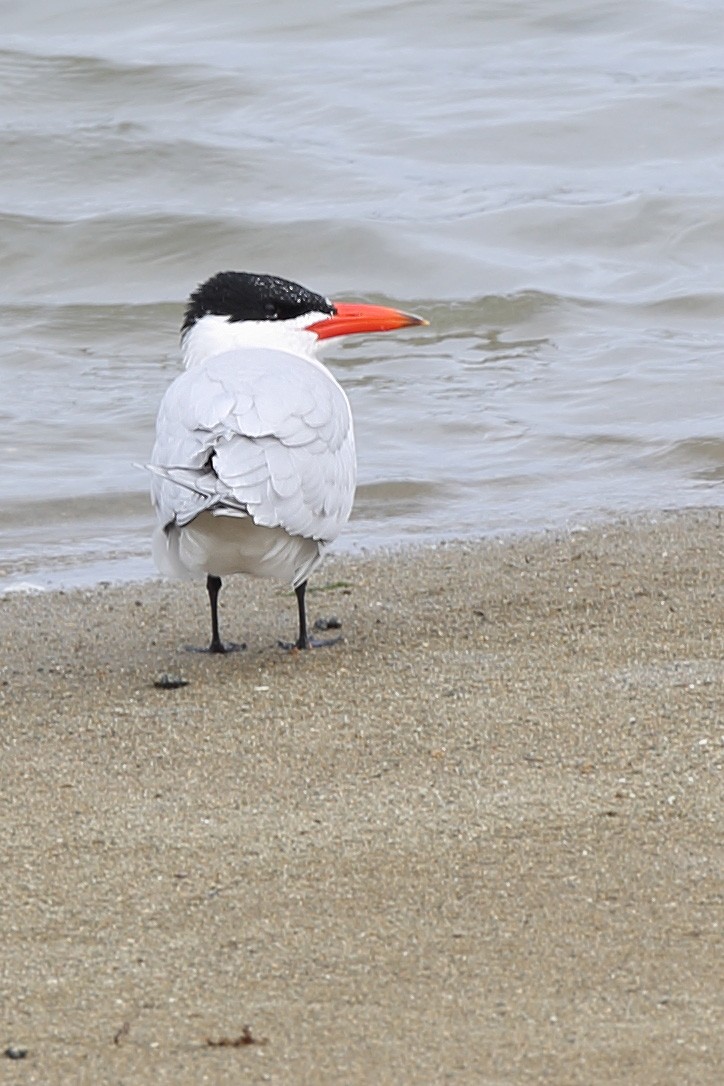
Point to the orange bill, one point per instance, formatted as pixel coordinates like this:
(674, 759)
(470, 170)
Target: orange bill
(350, 318)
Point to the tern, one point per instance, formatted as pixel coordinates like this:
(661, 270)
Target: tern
(254, 464)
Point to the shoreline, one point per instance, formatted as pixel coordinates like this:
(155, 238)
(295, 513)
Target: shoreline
(478, 841)
(98, 569)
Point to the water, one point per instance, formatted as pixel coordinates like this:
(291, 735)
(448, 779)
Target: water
(544, 181)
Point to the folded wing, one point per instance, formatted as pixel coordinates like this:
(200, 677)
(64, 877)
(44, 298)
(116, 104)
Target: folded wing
(257, 433)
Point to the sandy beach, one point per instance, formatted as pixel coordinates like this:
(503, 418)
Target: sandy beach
(479, 841)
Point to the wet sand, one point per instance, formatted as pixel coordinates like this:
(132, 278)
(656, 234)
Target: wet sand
(480, 841)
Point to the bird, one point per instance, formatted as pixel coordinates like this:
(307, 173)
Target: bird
(254, 465)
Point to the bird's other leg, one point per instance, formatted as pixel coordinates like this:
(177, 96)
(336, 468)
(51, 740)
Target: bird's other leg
(304, 641)
(213, 587)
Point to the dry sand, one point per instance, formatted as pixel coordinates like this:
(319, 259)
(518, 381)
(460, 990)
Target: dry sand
(478, 842)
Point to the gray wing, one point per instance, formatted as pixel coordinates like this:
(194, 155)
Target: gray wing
(256, 433)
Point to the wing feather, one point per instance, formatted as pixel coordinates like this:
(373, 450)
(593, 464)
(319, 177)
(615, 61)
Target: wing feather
(260, 433)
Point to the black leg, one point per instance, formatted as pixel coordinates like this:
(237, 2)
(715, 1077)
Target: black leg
(213, 587)
(304, 641)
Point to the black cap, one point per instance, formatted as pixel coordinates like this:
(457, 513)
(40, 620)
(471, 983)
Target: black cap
(245, 296)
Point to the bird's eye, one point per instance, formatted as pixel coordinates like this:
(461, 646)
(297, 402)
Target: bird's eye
(270, 309)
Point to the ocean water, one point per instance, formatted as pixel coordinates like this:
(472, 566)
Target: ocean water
(542, 180)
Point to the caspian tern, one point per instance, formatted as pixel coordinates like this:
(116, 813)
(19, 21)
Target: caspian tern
(254, 462)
